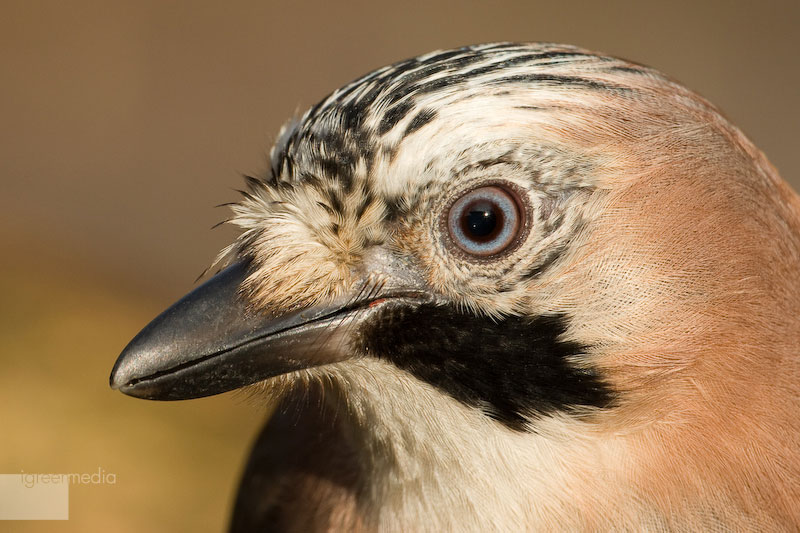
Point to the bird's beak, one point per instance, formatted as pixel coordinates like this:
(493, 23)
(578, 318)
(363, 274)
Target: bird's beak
(211, 341)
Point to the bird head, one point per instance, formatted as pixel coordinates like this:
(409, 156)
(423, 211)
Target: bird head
(566, 259)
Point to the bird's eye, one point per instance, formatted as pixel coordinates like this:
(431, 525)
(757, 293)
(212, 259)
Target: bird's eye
(485, 221)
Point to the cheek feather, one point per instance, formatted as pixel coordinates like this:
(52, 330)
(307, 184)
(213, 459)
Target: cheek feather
(517, 368)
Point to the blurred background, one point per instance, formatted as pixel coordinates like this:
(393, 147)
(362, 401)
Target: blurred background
(122, 124)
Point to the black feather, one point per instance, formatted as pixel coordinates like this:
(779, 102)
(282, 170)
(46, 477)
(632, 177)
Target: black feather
(516, 368)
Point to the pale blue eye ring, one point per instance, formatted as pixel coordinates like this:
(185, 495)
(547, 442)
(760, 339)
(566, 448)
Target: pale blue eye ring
(485, 221)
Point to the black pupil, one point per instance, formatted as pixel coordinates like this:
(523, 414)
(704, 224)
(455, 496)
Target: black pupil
(481, 221)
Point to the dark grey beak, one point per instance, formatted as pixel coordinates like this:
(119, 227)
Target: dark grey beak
(211, 341)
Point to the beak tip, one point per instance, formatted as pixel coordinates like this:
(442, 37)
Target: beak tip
(114, 382)
(116, 379)
(124, 370)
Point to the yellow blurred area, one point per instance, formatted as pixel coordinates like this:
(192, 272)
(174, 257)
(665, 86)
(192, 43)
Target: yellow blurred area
(174, 465)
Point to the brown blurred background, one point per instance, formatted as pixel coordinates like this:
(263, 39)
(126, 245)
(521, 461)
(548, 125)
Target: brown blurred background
(123, 123)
